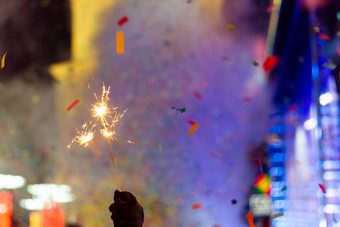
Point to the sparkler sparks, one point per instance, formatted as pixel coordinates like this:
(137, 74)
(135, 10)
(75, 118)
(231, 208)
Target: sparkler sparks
(85, 136)
(109, 118)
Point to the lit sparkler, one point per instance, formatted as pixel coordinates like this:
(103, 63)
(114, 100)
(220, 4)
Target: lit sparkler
(108, 118)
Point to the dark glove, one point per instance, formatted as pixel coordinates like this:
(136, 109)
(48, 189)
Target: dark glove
(126, 211)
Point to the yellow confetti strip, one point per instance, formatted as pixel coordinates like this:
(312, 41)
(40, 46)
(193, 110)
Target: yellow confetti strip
(231, 27)
(3, 61)
(120, 42)
(193, 128)
(276, 215)
(160, 147)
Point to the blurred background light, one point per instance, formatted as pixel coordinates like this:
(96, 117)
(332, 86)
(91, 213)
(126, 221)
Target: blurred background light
(11, 181)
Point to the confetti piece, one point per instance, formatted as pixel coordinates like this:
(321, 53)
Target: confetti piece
(131, 142)
(203, 84)
(234, 201)
(274, 114)
(191, 122)
(324, 36)
(193, 128)
(231, 27)
(255, 63)
(284, 188)
(217, 154)
(120, 42)
(276, 215)
(337, 49)
(3, 60)
(250, 219)
(335, 221)
(270, 8)
(160, 147)
(182, 110)
(270, 63)
(329, 65)
(73, 104)
(322, 188)
(198, 95)
(122, 21)
(196, 206)
(247, 99)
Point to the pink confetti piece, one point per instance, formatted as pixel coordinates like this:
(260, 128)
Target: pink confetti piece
(337, 49)
(322, 188)
(191, 122)
(270, 8)
(203, 84)
(196, 206)
(198, 95)
(73, 104)
(122, 21)
(324, 36)
(247, 99)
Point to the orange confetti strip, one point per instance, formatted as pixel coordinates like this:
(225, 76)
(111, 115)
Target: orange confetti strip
(120, 42)
(193, 128)
(196, 206)
(3, 61)
(250, 219)
(231, 27)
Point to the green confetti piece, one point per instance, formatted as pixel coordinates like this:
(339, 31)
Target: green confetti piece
(255, 63)
(338, 16)
(335, 221)
(284, 188)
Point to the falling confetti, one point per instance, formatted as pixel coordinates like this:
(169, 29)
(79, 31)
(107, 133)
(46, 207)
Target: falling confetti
(203, 84)
(284, 188)
(322, 188)
(270, 63)
(193, 128)
(130, 142)
(274, 114)
(196, 206)
(217, 154)
(198, 95)
(191, 122)
(255, 63)
(73, 105)
(234, 201)
(247, 99)
(160, 147)
(120, 42)
(250, 219)
(182, 110)
(123, 20)
(335, 221)
(3, 60)
(231, 27)
(276, 215)
(329, 65)
(324, 36)
(270, 8)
